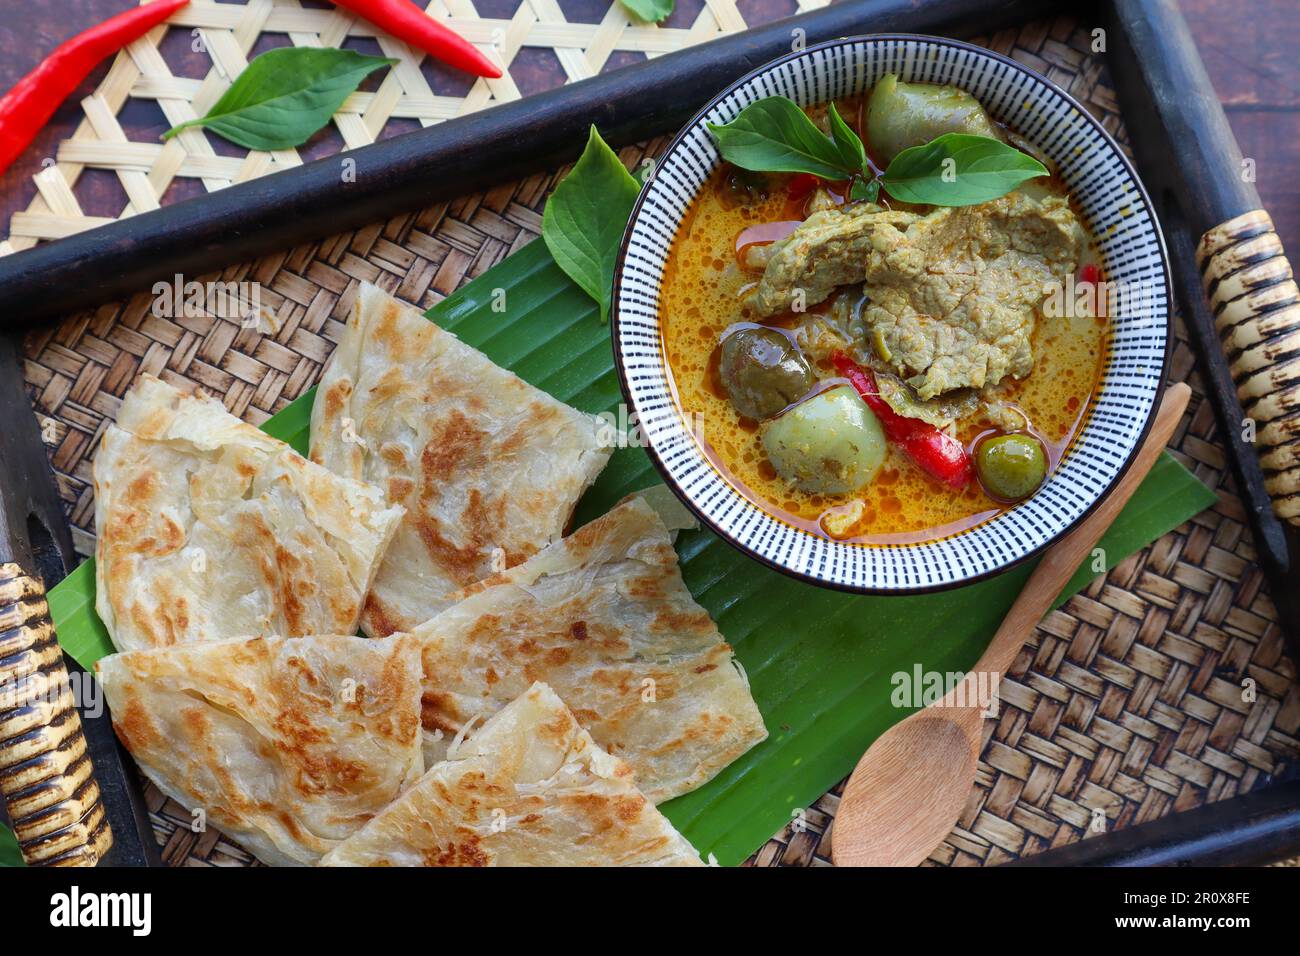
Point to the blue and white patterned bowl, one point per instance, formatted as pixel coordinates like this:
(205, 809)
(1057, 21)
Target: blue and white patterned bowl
(1133, 254)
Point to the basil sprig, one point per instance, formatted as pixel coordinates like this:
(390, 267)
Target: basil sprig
(585, 216)
(956, 169)
(285, 96)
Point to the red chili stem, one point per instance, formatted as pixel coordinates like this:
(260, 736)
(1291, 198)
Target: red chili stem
(935, 452)
(404, 20)
(26, 108)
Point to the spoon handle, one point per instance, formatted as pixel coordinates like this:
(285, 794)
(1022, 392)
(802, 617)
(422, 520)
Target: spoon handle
(1063, 559)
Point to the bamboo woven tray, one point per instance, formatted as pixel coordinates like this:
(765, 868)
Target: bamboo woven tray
(542, 43)
(1127, 700)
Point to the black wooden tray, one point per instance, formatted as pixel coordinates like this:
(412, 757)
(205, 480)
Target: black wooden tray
(1219, 240)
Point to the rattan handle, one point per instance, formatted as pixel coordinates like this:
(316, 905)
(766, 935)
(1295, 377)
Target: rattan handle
(46, 777)
(1256, 308)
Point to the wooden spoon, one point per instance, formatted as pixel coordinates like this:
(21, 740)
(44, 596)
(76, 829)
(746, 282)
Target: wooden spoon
(912, 784)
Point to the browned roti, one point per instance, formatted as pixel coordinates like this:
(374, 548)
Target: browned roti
(531, 788)
(289, 745)
(488, 467)
(604, 617)
(208, 528)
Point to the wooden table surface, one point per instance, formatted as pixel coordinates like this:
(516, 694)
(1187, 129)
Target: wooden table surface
(1251, 50)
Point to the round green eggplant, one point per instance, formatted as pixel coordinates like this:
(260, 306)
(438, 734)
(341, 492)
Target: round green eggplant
(901, 115)
(762, 372)
(828, 444)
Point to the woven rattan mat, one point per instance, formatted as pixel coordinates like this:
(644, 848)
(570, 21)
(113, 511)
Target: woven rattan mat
(1128, 699)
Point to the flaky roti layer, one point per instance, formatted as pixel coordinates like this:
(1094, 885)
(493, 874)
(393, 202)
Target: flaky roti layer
(488, 467)
(289, 745)
(530, 788)
(604, 618)
(208, 528)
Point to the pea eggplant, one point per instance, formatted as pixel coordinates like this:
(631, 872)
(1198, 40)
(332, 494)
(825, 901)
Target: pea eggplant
(1011, 467)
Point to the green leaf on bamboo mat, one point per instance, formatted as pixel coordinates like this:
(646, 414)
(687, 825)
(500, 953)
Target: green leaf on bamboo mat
(285, 96)
(825, 692)
(651, 11)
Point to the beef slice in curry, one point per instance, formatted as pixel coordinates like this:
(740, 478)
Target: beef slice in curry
(951, 295)
(831, 249)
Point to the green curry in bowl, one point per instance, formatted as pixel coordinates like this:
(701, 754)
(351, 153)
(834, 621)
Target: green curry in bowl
(868, 366)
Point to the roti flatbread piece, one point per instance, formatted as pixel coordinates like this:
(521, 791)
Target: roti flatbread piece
(288, 745)
(209, 528)
(604, 617)
(531, 788)
(488, 467)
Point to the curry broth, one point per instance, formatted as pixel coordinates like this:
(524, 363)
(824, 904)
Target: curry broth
(701, 298)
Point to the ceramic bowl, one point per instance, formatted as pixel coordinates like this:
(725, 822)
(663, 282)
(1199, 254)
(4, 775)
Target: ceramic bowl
(1107, 192)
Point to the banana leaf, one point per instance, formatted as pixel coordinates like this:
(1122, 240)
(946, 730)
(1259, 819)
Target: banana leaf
(823, 665)
(9, 855)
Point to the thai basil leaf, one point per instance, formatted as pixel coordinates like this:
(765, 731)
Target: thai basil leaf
(864, 190)
(651, 11)
(775, 136)
(852, 152)
(285, 96)
(585, 217)
(958, 169)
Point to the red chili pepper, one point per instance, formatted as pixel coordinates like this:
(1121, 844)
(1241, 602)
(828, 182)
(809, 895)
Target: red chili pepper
(936, 453)
(26, 108)
(408, 22)
(801, 184)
